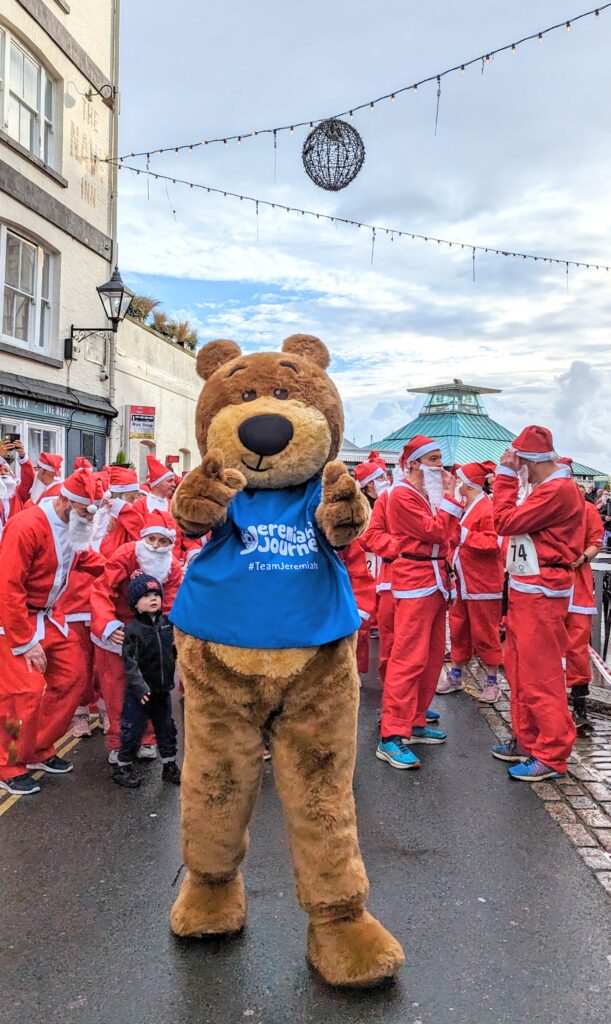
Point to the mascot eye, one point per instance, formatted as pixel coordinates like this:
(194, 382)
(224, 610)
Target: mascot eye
(249, 396)
(280, 393)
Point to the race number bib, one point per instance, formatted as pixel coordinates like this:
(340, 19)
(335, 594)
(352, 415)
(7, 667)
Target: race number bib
(373, 564)
(522, 556)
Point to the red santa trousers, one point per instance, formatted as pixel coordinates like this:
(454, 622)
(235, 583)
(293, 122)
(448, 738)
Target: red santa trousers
(362, 646)
(44, 703)
(386, 626)
(474, 629)
(534, 653)
(415, 663)
(578, 668)
(85, 676)
(110, 675)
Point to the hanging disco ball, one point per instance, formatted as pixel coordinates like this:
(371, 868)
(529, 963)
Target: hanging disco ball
(333, 154)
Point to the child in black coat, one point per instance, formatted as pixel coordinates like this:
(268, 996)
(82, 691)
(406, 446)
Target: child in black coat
(149, 658)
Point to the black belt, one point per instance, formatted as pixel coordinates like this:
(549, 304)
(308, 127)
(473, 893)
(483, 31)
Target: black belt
(424, 558)
(387, 561)
(555, 565)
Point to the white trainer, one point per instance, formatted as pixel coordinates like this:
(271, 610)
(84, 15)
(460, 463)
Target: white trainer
(147, 752)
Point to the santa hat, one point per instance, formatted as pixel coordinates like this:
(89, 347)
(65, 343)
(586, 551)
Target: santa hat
(156, 471)
(474, 474)
(376, 457)
(159, 522)
(415, 449)
(103, 475)
(535, 444)
(50, 462)
(82, 463)
(81, 487)
(123, 480)
(365, 472)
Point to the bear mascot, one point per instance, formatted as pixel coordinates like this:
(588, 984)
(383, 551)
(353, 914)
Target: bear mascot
(265, 627)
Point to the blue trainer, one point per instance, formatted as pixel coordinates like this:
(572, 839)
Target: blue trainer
(509, 751)
(395, 750)
(533, 770)
(432, 716)
(424, 734)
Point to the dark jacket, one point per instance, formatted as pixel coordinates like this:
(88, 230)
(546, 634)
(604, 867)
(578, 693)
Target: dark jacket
(149, 656)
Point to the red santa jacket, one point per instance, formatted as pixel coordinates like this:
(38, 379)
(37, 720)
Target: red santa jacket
(126, 521)
(22, 494)
(428, 536)
(362, 581)
(109, 606)
(378, 539)
(592, 535)
(550, 520)
(478, 561)
(31, 578)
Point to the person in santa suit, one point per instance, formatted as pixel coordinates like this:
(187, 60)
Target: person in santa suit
(48, 470)
(111, 611)
(120, 518)
(363, 574)
(475, 615)
(424, 522)
(41, 548)
(161, 483)
(582, 607)
(16, 491)
(545, 540)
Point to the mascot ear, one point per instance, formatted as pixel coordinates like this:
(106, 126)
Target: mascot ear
(214, 354)
(308, 346)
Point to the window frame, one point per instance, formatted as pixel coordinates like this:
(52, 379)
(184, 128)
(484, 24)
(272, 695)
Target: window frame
(44, 128)
(39, 328)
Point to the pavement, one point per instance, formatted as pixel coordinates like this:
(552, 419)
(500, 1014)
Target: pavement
(500, 917)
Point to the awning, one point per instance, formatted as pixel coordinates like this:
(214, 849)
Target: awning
(41, 390)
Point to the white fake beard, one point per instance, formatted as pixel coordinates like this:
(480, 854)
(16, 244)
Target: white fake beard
(79, 532)
(380, 486)
(398, 476)
(155, 562)
(101, 522)
(433, 485)
(524, 487)
(8, 486)
(38, 489)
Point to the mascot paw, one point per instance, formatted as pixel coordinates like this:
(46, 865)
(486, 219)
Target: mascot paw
(201, 500)
(202, 908)
(357, 952)
(344, 511)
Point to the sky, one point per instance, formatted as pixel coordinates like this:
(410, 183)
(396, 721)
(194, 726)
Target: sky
(521, 161)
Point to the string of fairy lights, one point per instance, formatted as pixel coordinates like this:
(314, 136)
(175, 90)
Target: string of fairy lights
(460, 67)
(375, 229)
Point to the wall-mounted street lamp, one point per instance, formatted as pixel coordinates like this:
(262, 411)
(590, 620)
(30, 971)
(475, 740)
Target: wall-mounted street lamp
(116, 299)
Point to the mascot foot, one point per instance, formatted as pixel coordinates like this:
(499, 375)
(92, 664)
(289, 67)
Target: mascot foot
(355, 951)
(203, 908)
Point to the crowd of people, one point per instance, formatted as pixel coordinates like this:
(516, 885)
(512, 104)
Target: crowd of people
(90, 565)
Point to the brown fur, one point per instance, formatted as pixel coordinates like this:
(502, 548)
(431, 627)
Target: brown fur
(307, 699)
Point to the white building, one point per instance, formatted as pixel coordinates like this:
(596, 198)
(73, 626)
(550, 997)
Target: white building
(58, 114)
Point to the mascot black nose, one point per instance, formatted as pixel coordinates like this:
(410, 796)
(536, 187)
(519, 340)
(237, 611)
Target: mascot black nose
(267, 434)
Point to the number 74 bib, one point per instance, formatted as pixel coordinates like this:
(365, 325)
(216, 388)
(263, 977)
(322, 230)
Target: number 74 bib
(522, 557)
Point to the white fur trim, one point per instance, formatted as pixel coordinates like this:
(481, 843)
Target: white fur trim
(453, 510)
(505, 471)
(146, 531)
(111, 627)
(465, 480)
(117, 505)
(124, 488)
(536, 456)
(75, 497)
(372, 476)
(159, 479)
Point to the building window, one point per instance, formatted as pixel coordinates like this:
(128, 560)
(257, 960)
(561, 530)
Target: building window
(27, 99)
(44, 439)
(26, 271)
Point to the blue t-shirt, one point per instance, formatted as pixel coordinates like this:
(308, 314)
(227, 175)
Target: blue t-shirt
(268, 577)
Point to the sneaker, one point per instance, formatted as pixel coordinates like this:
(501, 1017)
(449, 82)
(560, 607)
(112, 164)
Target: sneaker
(490, 693)
(582, 723)
(124, 775)
(533, 771)
(450, 684)
(396, 752)
(424, 734)
(509, 751)
(54, 765)
(81, 726)
(20, 785)
(147, 752)
(113, 757)
(103, 718)
(432, 716)
(374, 634)
(171, 773)
(267, 754)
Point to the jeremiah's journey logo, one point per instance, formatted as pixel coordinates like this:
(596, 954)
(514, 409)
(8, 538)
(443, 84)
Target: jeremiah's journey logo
(279, 539)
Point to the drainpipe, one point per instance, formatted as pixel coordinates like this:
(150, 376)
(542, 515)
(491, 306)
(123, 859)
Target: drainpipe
(114, 199)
